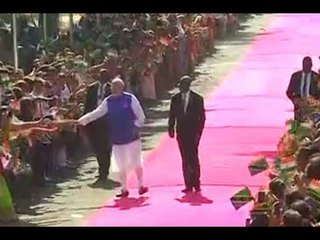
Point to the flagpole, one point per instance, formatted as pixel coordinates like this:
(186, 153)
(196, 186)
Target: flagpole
(45, 33)
(15, 44)
(71, 28)
(98, 17)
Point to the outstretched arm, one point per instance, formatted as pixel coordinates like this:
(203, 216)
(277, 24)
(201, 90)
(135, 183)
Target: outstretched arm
(60, 124)
(17, 126)
(99, 112)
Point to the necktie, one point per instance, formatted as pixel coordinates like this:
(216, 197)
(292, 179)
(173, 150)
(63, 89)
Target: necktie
(305, 91)
(184, 102)
(101, 93)
(39, 110)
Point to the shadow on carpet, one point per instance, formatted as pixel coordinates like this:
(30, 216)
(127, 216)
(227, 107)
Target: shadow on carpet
(129, 203)
(196, 199)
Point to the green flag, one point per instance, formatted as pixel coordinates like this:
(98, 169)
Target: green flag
(7, 211)
(313, 191)
(241, 198)
(258, 166)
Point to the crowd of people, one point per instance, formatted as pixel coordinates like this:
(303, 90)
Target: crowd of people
(293, 197)
(149, 52)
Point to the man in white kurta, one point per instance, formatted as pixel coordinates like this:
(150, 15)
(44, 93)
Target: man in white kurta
(126, 118)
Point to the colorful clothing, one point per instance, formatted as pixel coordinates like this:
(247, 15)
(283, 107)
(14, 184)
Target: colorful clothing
(7, 211)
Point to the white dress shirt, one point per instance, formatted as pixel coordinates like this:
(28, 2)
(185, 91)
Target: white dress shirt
(185, 100)
(307, 78)
(65, 93)
(101, 93)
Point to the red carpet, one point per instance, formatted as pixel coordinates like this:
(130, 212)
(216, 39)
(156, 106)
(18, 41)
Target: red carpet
(245, 119)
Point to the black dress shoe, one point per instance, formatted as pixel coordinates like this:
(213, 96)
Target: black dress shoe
(102, 179)
(71, 167)
(50, 180)
(99, 182)
(44, 184)
(123, 194)
(143, 190)
(113, 183)
(187, 190)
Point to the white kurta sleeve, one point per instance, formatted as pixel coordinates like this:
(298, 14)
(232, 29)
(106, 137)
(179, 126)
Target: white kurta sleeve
(99, 112)
(138, 112)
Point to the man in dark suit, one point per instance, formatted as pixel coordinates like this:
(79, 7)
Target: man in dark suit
(98, 131)
(187, 117)
(303, 84)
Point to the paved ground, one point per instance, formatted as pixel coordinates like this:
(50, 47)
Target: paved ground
(70, 202)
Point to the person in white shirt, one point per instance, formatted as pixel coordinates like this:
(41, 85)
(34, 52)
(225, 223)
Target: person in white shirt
(303, 83)
(126, 118)
(63, 88)
(65, 93)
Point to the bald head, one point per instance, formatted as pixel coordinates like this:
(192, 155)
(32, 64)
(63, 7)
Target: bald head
(104, 75)
(117, 87)
(184, 83)
(307, 64)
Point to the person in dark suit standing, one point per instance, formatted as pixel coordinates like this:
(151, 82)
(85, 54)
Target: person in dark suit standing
(303, 83)
(187, 118)
(98, 131)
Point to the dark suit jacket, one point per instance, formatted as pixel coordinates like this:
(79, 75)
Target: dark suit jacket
(99, 129)
(190, 123)
(294, 91)
(92, 97)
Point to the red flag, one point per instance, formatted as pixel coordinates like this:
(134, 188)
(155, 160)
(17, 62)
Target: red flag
(165, 41)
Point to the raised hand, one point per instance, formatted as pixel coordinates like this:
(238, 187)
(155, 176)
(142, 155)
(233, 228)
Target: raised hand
(45, 121)
(73, 122)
